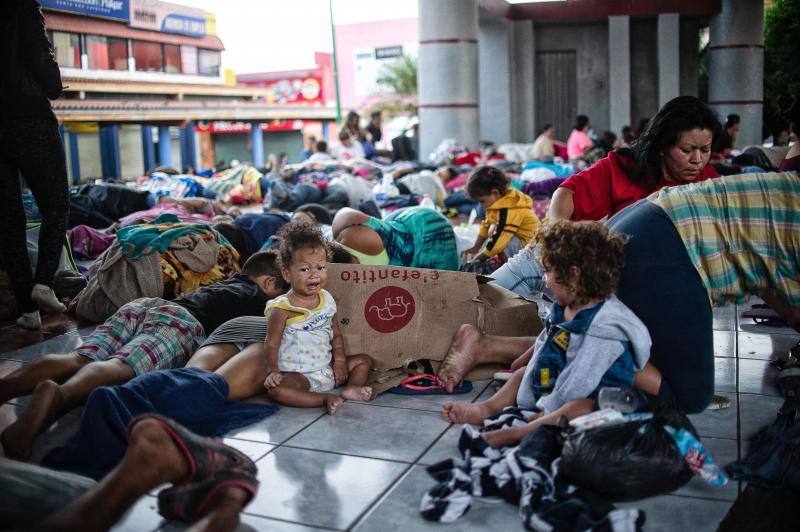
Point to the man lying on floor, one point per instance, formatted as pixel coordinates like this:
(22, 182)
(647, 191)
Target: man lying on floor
(144, 335)
(210, 481)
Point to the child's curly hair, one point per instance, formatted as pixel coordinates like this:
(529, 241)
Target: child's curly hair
(589, 246)
(484, 179)
(296, 235)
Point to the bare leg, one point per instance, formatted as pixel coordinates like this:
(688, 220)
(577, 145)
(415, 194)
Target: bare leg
(293, 391)
(513, 435)
(212, 357)
(358, 367)
(477, 412)
(50, 367)
(152, 459)
(648, 379)
(51, 401)
(471, 347)
(245, 372)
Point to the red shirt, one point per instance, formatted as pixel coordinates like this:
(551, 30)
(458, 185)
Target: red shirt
(604, 188)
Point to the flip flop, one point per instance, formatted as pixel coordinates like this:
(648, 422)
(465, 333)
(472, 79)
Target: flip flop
(428, 384)
(206, 456)
(503, 375)
(763, 315)
(191, 502)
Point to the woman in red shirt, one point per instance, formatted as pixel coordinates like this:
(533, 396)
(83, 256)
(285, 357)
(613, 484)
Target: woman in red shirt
(674, 149)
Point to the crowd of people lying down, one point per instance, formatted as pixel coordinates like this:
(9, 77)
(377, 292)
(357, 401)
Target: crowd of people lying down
(641, 244)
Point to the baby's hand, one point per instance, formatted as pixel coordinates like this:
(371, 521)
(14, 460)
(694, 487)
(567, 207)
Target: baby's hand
(340, 372)
(273, 379)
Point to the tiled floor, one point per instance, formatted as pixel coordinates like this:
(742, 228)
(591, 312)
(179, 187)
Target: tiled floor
(363, 469)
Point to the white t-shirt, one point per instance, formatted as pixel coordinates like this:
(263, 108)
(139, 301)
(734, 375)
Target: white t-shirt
(319, 157)
(347, 153)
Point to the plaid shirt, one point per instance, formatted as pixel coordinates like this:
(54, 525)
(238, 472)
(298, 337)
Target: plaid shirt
(742, 233)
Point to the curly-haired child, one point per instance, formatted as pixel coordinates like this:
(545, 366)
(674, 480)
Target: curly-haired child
(304, 350)
(510, 222)
(590, 340)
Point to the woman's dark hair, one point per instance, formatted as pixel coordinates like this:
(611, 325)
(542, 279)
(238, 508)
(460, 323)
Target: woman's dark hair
(484, 179)
(297, 235)
(234, 235)
(317, 211)
(352, 115)
(581, 121)
(589, 246)
(545, 128)
(732, 120)
(680, 114)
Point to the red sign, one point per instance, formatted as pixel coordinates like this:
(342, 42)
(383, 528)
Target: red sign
(389, 309)
(225, 126)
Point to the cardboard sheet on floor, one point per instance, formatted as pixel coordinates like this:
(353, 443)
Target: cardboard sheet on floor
(398, 315)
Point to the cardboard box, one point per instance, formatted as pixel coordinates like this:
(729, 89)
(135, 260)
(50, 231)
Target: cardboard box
(398, 315)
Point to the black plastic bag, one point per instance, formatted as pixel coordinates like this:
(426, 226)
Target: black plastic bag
(627, 462)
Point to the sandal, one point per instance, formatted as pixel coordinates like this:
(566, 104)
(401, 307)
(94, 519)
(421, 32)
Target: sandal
(206, 456)
(764, 315)
(191, 502)
(428, 384)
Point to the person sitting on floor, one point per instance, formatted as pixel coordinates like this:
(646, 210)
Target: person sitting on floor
(320, 154)
(509, 223)
(591, 339)
(347, 149)
(147, 334)
(304, 347)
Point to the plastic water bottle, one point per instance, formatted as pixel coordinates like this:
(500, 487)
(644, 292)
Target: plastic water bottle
(427, 202)
(382, 190)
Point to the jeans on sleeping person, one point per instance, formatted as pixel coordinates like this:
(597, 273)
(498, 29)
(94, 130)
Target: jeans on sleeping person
(522, 274)
(661, 286)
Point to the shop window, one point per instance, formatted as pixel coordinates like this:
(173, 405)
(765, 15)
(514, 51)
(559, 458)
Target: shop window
(172, 58)
(117, 53)
(189, 60)
(97, 50)
(67, 47)
(149, 56)
(208, 61)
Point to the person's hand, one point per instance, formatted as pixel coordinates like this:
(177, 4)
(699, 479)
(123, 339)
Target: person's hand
(340, 371)
(273, 379)
(470, 251)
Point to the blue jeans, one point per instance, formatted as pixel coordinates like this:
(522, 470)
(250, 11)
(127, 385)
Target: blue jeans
(661, 286)
(522, 274)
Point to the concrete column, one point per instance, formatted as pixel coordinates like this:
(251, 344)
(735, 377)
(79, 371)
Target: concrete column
(619, 72)
(523, 82)
(74, 157)
(109, 151)
(448, 73)
(164, 146)
(494, 57)
(325, 129)
(736, 66)
(669, 57)
(148, 149)
(188, 145)
(257, 138)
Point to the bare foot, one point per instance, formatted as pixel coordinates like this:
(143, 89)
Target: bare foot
(36, 418)
(502, 438)
(461, 357)
(473, 414)
(333, 402)
(357, 393)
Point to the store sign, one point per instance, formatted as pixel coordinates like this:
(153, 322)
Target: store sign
(293, 90)
(114, 9)
(169, 18)
(225, 126)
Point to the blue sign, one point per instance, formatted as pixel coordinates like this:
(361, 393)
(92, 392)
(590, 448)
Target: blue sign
(183, 24)
(114, 9)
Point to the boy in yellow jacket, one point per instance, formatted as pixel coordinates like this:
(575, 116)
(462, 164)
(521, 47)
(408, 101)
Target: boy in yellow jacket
(510, 222)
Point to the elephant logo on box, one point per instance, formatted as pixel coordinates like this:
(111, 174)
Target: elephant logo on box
(389, 309)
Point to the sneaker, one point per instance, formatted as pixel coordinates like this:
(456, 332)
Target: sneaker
(44, 296)
(30, 320)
